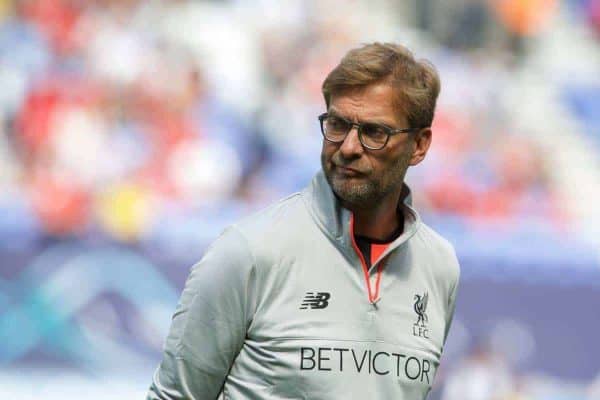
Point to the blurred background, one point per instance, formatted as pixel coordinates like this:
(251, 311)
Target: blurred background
(132, 132)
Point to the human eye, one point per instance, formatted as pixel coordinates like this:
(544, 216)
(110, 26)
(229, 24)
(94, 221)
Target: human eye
(375, 131)
(336, 124)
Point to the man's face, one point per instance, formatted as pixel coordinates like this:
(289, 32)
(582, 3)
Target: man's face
(362, 177)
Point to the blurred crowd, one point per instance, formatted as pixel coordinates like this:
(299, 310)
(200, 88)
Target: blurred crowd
(485, 374)
(162, 120)
(117, 116)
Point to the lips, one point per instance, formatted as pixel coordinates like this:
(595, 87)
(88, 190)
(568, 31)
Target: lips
(348, 171)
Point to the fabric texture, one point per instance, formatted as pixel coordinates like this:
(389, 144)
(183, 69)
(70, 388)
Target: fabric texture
(278, 308)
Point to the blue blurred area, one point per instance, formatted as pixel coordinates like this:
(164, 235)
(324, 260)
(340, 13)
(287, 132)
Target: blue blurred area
(133, 132)
(102, 308)
(584, 100)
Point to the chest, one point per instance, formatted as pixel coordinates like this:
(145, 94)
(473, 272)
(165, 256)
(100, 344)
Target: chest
(316, 335)
(322, 295)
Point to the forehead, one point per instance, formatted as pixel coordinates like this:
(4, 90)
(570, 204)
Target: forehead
(374, 103)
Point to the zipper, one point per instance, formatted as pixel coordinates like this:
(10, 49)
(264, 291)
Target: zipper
(373, 295)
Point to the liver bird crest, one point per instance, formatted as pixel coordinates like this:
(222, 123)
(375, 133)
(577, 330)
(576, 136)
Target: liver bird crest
(420, 307)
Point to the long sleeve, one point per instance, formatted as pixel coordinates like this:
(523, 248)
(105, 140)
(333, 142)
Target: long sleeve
(452, 299)
(209, 326)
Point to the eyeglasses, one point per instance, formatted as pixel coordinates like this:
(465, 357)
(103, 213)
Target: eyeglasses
(371, 135)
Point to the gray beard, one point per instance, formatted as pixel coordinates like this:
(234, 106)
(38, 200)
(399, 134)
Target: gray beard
(368, 193)
(363, 196)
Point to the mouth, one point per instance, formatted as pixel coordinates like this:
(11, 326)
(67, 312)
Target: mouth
(347, 171)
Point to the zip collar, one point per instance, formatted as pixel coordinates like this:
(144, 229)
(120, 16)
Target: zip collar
(337, 223)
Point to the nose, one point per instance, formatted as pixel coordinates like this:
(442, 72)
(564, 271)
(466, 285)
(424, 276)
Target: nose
(351, 146)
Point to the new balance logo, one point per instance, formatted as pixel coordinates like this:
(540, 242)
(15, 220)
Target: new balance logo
(315, 300)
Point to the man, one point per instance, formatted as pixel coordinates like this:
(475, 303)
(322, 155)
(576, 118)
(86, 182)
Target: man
(336, 292)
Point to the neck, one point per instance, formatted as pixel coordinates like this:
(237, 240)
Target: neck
(378, 222)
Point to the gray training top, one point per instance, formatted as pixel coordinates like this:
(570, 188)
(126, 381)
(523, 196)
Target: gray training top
(280, 307)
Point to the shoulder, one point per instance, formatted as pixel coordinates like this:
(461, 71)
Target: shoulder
(272, 216)
(440, 251)
(432, 239)
(229, 254)
(276, 230)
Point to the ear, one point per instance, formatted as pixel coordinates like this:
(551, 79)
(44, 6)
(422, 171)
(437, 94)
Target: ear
(422, 143)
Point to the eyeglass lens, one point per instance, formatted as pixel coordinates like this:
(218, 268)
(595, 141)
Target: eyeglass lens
(371, 135)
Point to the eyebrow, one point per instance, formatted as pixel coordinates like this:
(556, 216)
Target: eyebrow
(332, 111)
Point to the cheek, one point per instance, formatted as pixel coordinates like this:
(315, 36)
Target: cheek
(400, 166)
(402, 153)
(392, 167)
(380, 163)
(327, 151)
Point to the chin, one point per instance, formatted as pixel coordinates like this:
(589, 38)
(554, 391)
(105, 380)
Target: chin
(352, 193)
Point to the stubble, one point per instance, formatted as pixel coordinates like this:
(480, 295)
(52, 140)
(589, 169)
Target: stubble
(365, 191)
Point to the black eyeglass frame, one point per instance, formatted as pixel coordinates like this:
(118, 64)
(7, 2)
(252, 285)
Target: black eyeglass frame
(388, 130)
